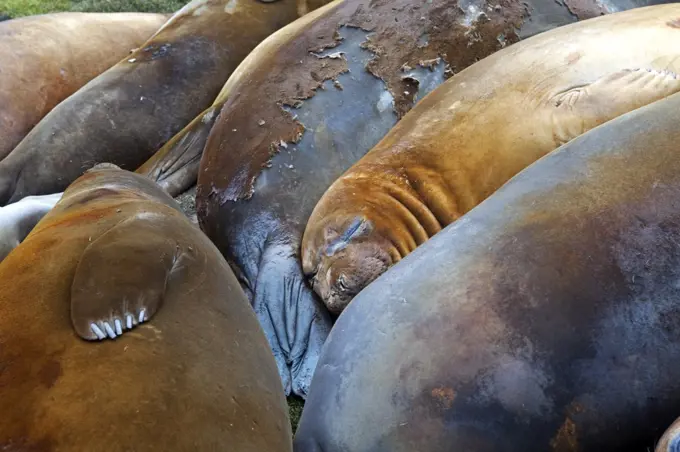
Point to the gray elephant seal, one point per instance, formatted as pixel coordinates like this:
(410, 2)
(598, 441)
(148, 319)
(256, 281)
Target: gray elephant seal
(457, 146)
(337, 83)
(198, 377)
(46, 58)
(543, 319)
(127, 113)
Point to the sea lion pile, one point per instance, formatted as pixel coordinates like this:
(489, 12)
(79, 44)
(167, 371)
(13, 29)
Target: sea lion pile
(449, 225)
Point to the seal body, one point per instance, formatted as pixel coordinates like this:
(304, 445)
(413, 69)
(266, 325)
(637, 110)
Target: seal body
(199, 376)
(175, 166)
(18, 220)
(545, 319)
(344, 76)
(47, 58)
(127, 113)
(477, 130)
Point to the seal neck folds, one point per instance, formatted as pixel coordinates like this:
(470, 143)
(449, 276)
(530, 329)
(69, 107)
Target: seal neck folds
(352, 246)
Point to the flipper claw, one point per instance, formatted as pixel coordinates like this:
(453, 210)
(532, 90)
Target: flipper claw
(109, 330)
(97, 331)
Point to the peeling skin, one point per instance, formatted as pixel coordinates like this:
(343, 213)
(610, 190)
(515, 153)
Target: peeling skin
(175, 166)
(457, 146)
(152, 95)
(288, 131)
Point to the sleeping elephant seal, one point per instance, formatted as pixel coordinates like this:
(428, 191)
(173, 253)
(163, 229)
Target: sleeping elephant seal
(442, 159)
(128, 112)
(545, 319)
(46, 58)
(18, 220)
(340, 80)
(200, 377)
(670, 441)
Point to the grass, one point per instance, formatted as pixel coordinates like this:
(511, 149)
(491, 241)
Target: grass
(18, 8)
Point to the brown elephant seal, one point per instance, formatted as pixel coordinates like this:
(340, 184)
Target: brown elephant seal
(175, 166)
(670, 441)
(545, 319)
(200, 377)
(458, 145)
(46, 58)
(301, 117)
(150, 95)
(18, 220)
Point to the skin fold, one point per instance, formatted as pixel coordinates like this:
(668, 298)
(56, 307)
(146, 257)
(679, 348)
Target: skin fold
(545, 319)
(340, 79)
(46, 58)
(150, 95)
(200, 376)
(475, 132)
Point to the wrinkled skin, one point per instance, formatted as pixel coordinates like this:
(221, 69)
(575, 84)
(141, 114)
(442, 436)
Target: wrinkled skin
(255, 195)
(151, 95)
(46, 58)
(441, 160)
(544, 319)
(199, 377)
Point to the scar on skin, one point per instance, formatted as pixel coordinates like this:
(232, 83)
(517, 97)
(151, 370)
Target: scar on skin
(444, 397)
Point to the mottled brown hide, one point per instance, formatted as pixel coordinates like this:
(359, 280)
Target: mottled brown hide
(44, 59)
(197, 376)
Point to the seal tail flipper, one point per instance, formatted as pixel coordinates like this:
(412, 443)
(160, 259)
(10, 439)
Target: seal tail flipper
(579, 109)
(295, 322)
(121, 278)
(175, 166)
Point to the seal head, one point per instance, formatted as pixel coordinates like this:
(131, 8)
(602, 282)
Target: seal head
(348, 260)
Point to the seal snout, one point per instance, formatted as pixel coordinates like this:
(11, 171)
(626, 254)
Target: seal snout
(347, 260)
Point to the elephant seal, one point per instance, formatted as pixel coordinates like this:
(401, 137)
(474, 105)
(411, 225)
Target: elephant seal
(150, 95)
(47, 58)
(442, 159)
(670, 441)
(200, 377)
(18, 220)
(342, 79)
(175, 166)
(544, 319)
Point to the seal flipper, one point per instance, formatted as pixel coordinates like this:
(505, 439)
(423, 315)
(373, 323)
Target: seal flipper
(175, 166)
(121, 278)
(582, 108)
(295, 322)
